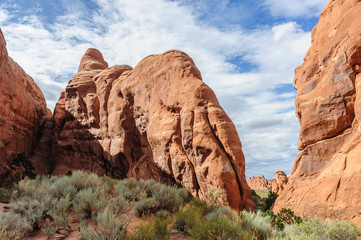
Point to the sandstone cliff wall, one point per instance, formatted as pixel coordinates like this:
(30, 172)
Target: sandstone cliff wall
(325, 179)
(22, 111)
(259, 183)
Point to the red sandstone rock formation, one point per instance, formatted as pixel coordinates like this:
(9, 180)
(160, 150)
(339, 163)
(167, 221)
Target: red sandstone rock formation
(158, 120)
(325, 179)
(22, 111)
(258, 183)
(279, 182)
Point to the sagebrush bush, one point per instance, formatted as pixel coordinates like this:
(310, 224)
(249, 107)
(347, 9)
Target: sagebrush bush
(14, 226)
(88, 202)
(145, 207)
(257, 223)
(314, 229)
(84, 179)
(129, 189)
(108, 227)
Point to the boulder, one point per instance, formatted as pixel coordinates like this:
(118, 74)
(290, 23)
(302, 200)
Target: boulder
(325, 179)
(158, 120)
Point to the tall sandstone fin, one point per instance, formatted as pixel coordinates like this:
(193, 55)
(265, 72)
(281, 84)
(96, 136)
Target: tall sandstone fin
(22, 112)
(325, 179)
(158, 120)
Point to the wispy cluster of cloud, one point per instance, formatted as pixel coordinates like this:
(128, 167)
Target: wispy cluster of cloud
(251, 71)
(295, 8)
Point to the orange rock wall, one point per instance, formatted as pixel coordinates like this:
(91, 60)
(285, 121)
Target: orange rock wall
(22, 111)
(259, 183)
(325, 179)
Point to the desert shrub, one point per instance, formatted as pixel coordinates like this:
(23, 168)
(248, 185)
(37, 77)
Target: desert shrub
(108, 184)
(222, 211)
(14, 226)
(30, 209)
(203, 207)
(145, 207)
(257, 223)
(119, 204)
(156, 230)
(84, 179)
(162, 213)
(314, 229)
(88, 202)
(345, 230)
(5, 195)
(129, 189)
(59, 214)
(108, 227)
(167, 198)
(186, 218)
(284, 217)
(269, 201)
(219, 227)
(27, 188)
(49, 228)
(22, 161)
(147, 186)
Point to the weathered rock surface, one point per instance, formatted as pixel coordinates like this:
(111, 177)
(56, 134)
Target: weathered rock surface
(258, 183)
(325, 179)
(279, 182)
(22, 111)
(158, 120)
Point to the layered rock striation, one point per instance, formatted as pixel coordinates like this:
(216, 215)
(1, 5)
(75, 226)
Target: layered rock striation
(158, 120)
(22, 112)
(325, 179)
(259, 183)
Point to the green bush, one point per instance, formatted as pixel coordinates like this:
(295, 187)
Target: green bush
(186, 218)
(202, 206)
(269, 201)
(156, 230)
(5, 195)
(22, 161)
(284, 217)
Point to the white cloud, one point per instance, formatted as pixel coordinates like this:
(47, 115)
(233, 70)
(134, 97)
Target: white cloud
(126, 31)
(295, 8)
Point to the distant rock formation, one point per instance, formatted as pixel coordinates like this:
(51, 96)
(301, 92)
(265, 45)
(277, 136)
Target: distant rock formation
(259, 183)
(22, 112)
(158, 120)
(325, 179)
(279, 182)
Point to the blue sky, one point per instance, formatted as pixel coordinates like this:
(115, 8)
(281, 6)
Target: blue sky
(246, 51)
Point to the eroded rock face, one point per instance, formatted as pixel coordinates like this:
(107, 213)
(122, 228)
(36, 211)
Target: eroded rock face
(22, 111)
(325, 179)
(158, 120)
(279, 182)
(258, 183)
